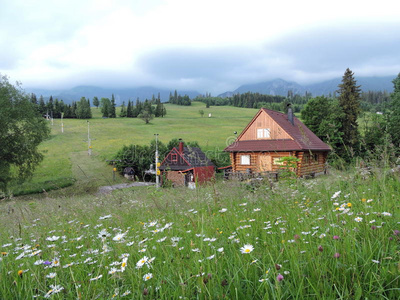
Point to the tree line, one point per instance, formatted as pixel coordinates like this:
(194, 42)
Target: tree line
(336, 121)
(178, 99)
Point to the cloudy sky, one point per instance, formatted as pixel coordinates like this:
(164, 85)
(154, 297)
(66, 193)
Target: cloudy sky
(207, 45)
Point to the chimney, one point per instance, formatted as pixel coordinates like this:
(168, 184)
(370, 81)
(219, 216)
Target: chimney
(290, 114)
(181, 147)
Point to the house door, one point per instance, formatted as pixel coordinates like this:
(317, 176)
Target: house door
(264, 163)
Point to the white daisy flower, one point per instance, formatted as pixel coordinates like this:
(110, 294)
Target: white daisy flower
(246, 249)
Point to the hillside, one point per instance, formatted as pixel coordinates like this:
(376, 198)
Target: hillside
(66, 160)
(281, 87)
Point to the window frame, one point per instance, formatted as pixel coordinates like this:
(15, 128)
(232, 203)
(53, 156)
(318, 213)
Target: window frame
(174, 157)
(248, 156)
(263, 133)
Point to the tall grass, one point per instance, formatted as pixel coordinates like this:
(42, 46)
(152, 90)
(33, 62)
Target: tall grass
(334, 237)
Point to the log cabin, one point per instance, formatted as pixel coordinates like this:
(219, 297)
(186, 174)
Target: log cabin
(184, 166)
(271, 135)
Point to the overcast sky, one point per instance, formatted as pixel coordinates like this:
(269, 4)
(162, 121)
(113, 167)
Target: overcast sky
(207, 45)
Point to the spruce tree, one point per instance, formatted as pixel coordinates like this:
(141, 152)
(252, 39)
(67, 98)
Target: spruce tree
(349, 102)
(394, 115)
(112, 113)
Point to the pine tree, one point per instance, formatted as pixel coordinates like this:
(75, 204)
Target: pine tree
(112, 113)
(129, 110)
(394, 115)
(123, 112)
(349, 102)
(42, 105)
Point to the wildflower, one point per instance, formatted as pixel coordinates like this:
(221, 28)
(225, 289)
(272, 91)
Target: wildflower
(278, 266)
(322, 235)
(336, 194)
(103, 234)
(54, 289)
(358, 219)
(279, 277)
(51, 275)
(105, 217)
(386, 214)
(96, 278)
(113, 271)
(375, 261)
(141, 262)
(20, 272)
(349, 204)
(119, 237)
(211, 257)
(147, 276)
(246, 249)
(320, 249)
(220, 249)
(396, 232)
(336, 237)
(52, 238)
(124, 263)
(363, 200)
(126, 293)
(336, 255)
(222, 210)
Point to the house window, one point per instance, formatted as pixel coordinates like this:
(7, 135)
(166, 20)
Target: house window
(315, 157)
(263, 133)
(174, 157)
(306, 159)
(278, 161)
(245, 160)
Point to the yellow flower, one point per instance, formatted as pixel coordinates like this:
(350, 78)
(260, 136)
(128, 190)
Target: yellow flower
(363, 199)
(20, 273)
(349, 204)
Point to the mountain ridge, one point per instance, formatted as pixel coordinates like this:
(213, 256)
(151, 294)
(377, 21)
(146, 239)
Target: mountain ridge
(281, 87)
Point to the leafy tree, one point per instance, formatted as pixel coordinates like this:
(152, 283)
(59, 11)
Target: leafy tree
(201, 112)
(394, 115)
(146, 116)
(322, 116)
(22, 129)
(349, 101)
(96, 102)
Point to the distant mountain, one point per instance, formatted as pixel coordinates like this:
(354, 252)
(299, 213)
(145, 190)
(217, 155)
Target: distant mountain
(281, 87)
(76, 93)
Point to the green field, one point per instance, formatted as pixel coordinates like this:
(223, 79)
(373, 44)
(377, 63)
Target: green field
(66, 161)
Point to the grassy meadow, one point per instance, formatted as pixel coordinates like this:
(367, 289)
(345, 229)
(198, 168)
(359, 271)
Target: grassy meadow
(67, 162)
(333, 237)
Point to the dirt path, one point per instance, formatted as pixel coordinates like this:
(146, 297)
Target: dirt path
(107, 189)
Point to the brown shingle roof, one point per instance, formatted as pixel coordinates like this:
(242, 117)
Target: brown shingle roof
(303, 138)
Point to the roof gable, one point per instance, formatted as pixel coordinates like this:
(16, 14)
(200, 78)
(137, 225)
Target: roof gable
(284, 136)
(190, 157)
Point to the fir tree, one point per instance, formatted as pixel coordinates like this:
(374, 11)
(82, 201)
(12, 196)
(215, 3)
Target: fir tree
(394, 115)
(349, 102)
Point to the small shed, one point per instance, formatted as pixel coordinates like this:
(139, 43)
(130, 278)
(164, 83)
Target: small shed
(184, 166)
(271, 135)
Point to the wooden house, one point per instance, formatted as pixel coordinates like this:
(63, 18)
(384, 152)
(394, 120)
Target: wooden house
(271, 135)
(187, 165)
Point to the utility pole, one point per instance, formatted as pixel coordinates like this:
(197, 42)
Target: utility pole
(157, 164)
